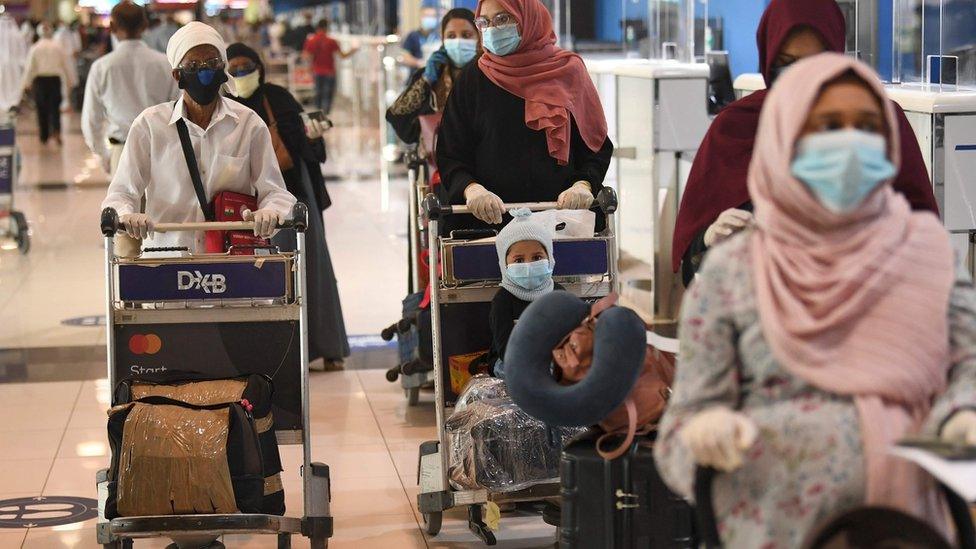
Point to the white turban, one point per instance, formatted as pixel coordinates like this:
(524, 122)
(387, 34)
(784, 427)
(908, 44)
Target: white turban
(190, 36)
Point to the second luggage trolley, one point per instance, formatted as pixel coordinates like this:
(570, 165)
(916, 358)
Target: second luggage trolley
(413, 370)
(13, 223)
(460, 305)
(225, 315)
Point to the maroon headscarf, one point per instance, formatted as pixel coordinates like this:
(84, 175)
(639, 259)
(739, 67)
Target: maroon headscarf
(717, 180)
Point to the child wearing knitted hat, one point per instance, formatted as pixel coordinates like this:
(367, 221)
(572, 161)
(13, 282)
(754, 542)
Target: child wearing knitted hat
(526, 261)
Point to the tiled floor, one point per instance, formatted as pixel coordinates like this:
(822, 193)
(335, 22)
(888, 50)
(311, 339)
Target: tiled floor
(52, 435)
(361, 427)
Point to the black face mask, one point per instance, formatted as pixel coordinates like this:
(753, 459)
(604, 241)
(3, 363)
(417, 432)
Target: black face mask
(777, 71)
(203, 86)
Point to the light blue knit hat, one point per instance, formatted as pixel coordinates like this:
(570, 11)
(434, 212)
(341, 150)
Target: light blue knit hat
(522, 227)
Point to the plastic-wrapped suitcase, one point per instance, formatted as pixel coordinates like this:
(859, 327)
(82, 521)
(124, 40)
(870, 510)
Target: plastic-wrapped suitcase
(257, 392)
(619, 504)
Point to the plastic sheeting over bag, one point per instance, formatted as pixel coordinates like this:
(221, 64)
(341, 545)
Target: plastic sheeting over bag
(496, 446)
(184, 452)
(198, 393)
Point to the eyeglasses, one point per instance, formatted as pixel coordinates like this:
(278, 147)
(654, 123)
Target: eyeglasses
(502, 19)
(243, 70)
(193, 67)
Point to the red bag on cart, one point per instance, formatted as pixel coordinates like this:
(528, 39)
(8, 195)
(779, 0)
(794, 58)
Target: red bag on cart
(230, 206)
(226, 206)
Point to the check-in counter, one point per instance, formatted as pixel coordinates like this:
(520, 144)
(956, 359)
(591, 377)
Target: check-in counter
(944, 122)
(657, 112)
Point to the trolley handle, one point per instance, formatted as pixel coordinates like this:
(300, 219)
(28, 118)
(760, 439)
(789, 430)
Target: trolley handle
(299, 221)
(606, 201)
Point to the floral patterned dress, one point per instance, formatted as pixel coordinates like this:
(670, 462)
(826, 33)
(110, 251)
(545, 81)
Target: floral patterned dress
(807, 463)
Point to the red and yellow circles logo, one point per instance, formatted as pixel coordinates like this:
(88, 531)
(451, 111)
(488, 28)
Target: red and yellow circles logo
(148, 344)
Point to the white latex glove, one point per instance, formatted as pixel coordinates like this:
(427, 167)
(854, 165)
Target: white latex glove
(577, 197)
(265, 221)
(137, 225)
(484, 204)
(961, 428)
(719, 437)
(728, 223)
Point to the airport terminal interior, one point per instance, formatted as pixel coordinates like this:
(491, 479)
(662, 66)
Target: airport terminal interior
(430, 432)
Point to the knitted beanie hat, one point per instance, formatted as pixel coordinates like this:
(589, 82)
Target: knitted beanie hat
(522, 227)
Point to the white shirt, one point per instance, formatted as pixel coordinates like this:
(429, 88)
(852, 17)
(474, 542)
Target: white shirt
(70, 39)
(48, 58)
(234, 154)
(120, 86)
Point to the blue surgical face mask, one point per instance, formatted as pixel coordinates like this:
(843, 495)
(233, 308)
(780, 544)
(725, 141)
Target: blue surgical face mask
(841, 168)
(530, 276)
(461, 50)
(429, 22)
(502, 40)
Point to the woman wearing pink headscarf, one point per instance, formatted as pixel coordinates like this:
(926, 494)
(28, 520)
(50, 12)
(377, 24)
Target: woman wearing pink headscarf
(524, 123)
(834, 327)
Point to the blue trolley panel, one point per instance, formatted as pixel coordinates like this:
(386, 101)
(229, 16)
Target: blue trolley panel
(573, 258)
(217, 280)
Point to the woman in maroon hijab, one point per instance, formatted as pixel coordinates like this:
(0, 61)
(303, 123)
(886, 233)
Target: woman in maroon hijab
(716, 201)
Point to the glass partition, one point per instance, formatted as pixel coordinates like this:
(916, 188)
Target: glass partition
(709, 31)
(934, 43)
(672, 30)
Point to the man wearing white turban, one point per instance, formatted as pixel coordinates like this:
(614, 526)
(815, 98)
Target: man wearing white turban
(230, 142)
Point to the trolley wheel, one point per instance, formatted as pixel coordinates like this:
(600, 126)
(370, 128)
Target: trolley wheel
(413, 396)
(432, 522)
(393, 374)
(23, 234)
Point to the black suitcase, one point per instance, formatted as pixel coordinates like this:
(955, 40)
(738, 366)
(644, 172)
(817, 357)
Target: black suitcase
(259, 393)
(619, 504)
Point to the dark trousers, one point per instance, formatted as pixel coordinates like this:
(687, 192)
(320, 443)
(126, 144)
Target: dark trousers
(47, 98)
(325, 87)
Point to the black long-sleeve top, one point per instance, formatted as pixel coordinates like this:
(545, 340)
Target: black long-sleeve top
(505, 310)
(483, 139)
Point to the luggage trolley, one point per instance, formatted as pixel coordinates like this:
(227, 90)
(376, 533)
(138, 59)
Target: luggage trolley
(413, 370)
(13, 224)
(461, 298)
(225, 315)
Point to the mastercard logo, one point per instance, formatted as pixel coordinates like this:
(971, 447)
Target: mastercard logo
(148, 344)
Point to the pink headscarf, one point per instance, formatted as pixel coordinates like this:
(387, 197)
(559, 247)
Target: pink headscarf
(855, 304)
(553, 81)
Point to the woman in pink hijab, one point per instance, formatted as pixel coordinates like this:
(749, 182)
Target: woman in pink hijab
(831, 329)
(524, 123)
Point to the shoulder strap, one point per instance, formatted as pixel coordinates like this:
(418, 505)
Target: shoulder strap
(191, 164)
(603, 304)
(267, 108)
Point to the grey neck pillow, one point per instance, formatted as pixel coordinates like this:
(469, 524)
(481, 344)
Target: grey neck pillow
(620, 343)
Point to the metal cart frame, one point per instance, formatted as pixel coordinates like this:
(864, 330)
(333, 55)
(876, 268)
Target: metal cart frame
(195, 531)
(436, 494)
(16, 226)
(418, 183)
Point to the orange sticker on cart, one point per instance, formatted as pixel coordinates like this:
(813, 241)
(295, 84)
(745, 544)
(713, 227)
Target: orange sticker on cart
(148, 344)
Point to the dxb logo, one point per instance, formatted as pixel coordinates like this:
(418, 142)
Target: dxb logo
(210, 283)
(148, 344)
